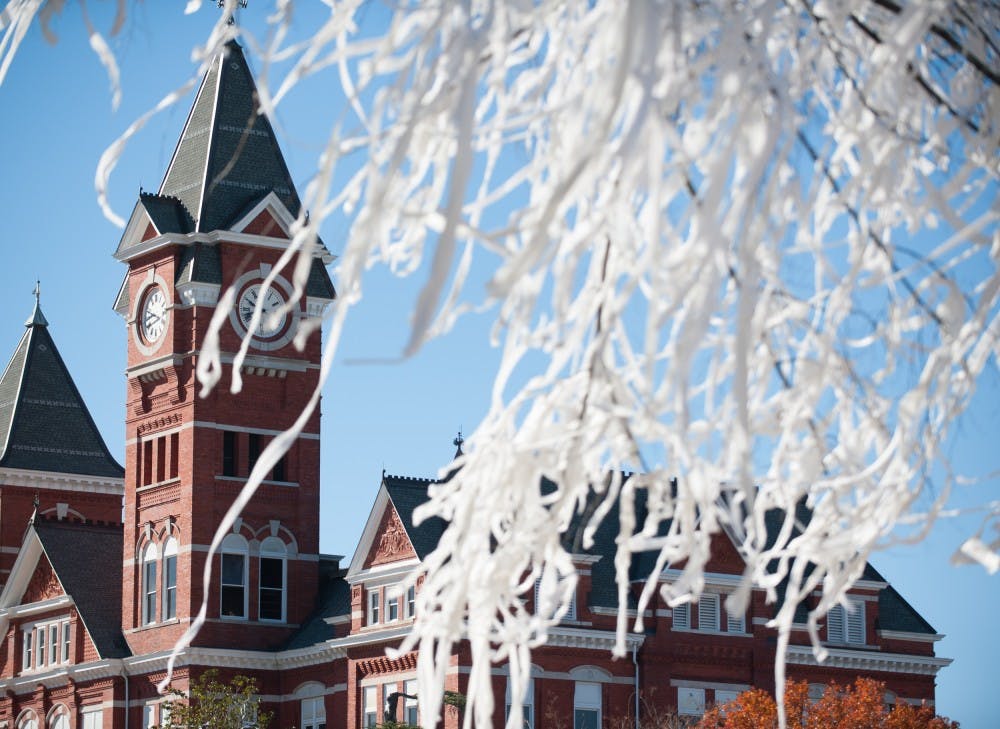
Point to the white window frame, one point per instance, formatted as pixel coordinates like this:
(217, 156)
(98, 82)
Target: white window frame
(27, 720)
(169, 587)
(845, 626)
(92, 717)
(411, 708)
(391, 608)
(369, 706)
(312, 712)
(411, 601)
(374, 605)
(234, 545)
(273, 548)
(37, 650)
(150, 715)
(736, 623)
(583, 700)
(570, 610)
(150, 556)
(527, 705)
(690, 701)
(58, 717)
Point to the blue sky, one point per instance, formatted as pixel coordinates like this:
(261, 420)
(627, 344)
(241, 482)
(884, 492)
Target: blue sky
(56, 120)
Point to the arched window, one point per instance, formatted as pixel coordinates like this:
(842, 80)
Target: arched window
(59, 718)
(272, 579)
(27, 720)
(233, 575)
(313, 711)
(149, 557)
(169, 611)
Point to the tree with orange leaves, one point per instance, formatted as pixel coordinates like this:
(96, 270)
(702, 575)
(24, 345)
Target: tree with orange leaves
(859, 706)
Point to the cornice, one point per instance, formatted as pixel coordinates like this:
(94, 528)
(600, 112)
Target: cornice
(213, 238)
(36, 608)
(868, 661)
(62, 481)
(591, 639)
(915, 637)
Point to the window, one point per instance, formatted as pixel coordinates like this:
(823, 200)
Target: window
(724, 697)
(26, 655)
(690, 701)
(570, 610)
(410, 715)
(374, 602)
(149, 556)
(253, 450)
(313, 713)
(370, 707)
(411, 602)
(233, 598)
(228, 453)
(736, 623)
(45, 644)
(682, 616)
(527, 705)
(587, 705)
(174, 455)
(170, 579)
(708, 612)
(846, 626)
(161, 459)
(392, 609)
(65, 641)
(59, 718)
(28, 720)
(272, 579)
(278, 473)
(149, 720)
(92, 717)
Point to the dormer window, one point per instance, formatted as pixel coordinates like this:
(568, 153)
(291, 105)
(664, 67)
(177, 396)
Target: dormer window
(846, 626)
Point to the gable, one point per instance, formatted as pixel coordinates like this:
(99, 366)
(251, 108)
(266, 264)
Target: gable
(43, 585)
(265, 224)
(390, 543)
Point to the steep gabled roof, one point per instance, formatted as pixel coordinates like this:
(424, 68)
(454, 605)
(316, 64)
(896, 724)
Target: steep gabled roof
(227, 156)
(334, 605)
(406, 495)
(44, 423)
(87, 559)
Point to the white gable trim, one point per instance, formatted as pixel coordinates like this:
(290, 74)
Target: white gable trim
(21, 573)
(357, 572)
(272, 203)
(137, 224)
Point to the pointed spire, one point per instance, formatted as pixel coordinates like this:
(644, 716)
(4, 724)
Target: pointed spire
(458, 445)
(227, 158)
(37, 319)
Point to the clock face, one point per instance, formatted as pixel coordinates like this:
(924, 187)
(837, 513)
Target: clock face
(271, 301)
(153, 321)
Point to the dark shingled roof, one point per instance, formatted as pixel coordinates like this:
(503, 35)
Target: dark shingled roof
(334, 602)
(199, 263)
(87, 559)
(406, 495)
(895, 613)
(44, 423)
(167, 213)
(228, 155)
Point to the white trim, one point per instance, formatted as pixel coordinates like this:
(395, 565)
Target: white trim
(868, 661)
(35, 608)
(216, 236)
(356, 571)
(713, 685)
(197, 293)
(281, 214)
(57, 481)
(384, 574)
(590, 639)
(717, 580)
(905, 635)
(213, 426)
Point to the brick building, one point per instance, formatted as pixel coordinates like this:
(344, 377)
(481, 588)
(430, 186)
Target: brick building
(102, 565)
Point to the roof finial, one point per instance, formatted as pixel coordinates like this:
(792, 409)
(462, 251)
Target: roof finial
(34, 514)
(232, 16)
(37, 319)
(458, 444)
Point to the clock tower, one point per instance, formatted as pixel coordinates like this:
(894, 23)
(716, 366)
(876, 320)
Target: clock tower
(219, 223)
